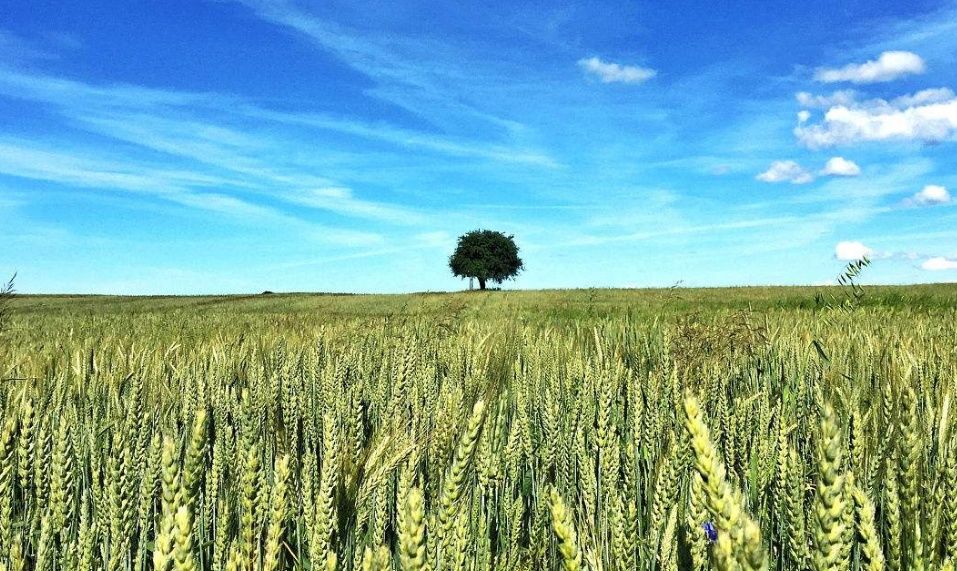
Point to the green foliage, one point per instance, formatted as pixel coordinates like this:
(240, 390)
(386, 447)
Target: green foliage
(852, 292)
(852, 296)
(7, 292)
(486, 255)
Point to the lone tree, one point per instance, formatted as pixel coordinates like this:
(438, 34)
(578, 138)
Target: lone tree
(485, 255)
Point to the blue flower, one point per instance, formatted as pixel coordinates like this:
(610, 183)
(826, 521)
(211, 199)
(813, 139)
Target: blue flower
(710, 531)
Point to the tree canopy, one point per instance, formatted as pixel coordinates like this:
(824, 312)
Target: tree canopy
(486, 255)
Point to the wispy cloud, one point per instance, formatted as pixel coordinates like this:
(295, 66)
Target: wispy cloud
(20, 159)
(203, 131)
(610, 72)
(77, 94)
(15, 48)
(889, 66)
(23, 160)
(425, 76)
(409, 139)
(235, 158)
(112, 106)
(792, 225)
(932, 33)
(852, 251)
(418, 243)
(684, 230)
(939, 263)
(342, 201)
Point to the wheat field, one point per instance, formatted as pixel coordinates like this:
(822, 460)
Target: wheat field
(760, 428)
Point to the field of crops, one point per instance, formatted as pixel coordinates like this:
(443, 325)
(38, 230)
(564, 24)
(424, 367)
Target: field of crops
(757, 428)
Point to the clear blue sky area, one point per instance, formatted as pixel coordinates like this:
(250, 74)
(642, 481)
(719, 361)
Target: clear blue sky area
(184, 146)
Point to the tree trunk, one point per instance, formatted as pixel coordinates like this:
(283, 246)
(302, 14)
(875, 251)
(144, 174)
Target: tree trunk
(481, 283)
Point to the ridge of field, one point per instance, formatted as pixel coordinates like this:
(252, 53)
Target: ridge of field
(552, 302)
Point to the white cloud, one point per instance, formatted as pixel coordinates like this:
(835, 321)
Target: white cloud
(850, 98)
(939, 263)
(887, 67)
(932, 194)
(839, 166)
(923, 97)
(610, 72)
(928, 116)
(786, 171)
(849, 251)
(803, 116)
(843, 97)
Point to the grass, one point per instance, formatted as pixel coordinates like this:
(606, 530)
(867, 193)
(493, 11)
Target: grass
(595, 429)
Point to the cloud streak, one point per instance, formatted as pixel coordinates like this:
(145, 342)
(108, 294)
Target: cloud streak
(229, 145)
(408, 139)
(341, 201)
(22, 160)
(424, 76)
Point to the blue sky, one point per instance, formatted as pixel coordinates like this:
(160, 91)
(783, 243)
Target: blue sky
(189, 146)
